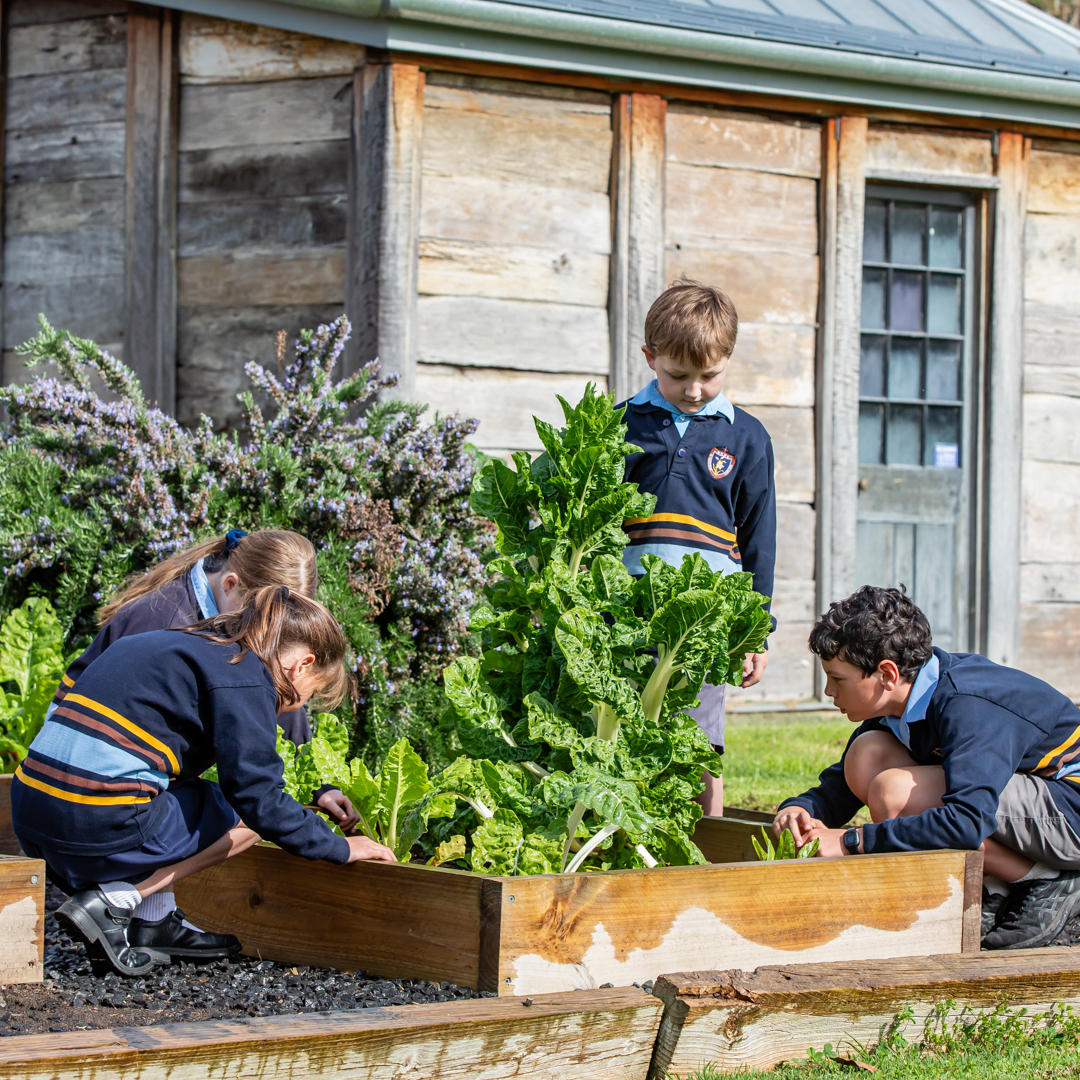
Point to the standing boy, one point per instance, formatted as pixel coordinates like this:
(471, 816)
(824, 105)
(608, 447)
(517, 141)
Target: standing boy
(709, 464)
(952, 751)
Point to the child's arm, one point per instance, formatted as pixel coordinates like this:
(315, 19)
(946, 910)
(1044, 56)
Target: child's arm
(755, 525)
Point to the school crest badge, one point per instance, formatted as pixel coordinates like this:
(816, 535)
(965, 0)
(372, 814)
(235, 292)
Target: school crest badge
(721, 462)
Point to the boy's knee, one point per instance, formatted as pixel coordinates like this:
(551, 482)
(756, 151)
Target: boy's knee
(870, 754)
(888, 794)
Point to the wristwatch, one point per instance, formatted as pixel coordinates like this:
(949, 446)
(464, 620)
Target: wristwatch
(851, 841)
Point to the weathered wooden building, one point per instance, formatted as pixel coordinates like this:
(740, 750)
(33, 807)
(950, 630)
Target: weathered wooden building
(495, 191)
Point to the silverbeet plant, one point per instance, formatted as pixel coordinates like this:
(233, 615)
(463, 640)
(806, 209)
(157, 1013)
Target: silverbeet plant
(784, 849)
(579, 752)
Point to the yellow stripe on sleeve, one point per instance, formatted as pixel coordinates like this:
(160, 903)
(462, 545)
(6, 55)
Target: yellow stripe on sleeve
(67, 680)
(1059, 750)
(683, 519)
(125, 723)
(70, 796)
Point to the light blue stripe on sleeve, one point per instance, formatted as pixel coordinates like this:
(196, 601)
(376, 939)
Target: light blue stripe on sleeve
(71, 747)
(673, 554)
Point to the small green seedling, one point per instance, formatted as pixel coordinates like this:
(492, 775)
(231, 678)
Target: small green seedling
(785, 848)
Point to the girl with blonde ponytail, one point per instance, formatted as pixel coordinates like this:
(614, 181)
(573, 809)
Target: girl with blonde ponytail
(111, 793)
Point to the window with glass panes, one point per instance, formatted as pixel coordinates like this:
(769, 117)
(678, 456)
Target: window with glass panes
(911, 375)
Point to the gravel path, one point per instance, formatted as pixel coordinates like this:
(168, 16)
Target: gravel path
(71, 998)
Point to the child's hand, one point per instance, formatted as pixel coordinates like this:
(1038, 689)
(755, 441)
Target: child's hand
(336, 804)
(362, 848)
(799, 821)
(753, 667)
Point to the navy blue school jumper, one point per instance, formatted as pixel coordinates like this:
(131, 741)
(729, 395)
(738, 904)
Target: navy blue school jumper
(983, 724)
(112, 790)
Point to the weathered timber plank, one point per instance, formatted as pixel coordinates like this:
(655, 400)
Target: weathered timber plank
(479, 332)
(792, 433)
(69, 98)
(892, 151)
(1049, 643)
(1051, 379)
(1051, 267)
(512, 272)
(606, 1034)
(740, 208)
(1056, 583)
(267, 113)
(738, 1020)
(772, 365)
(768, 287)
(8, 844)
(759, 816)
(262, 277)
(1051, 332)
(700, 135)
(263, 172)
(513, 88)
(503, 401)
(22, 919)
(1053, 183)
(55, 258)
(214, 344)
(64, 205)
(793, 600)
(1051, 512)
(90, 307)
(415, 922)
(307, 222)
(790, 676)
(76, 152)
(517, 137)
(78, 45)
(221, 50)
(795, 524)
(728, 839)
(480, 209)
(1051, 427)
(868, 907)
(971, 936)
(29, 12)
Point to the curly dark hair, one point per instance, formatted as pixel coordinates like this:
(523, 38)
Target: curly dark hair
(872, 625)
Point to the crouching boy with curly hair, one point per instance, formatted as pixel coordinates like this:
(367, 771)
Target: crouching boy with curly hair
(952, 751)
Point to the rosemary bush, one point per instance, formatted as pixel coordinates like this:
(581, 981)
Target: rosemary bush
(93, 489)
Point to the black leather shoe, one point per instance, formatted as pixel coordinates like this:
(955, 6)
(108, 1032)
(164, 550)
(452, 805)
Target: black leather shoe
(103, 928)
(1035, 914)
(170, 935)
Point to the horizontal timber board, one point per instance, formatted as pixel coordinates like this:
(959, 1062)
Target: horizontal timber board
(28, 12)
(513, 272)
(764, 286)
(727, 839)
(22, 920)
(242, 278)
(1050, 332)
(578, 930)
(1053, 183)
(504, 402)
(56, 258)
(480, 209)
(795, 523)
(1054, 379)
(89, 307)
(792, 434)
(793, 600)
(77, 45)
(67, 152)
(222, 50)
(754, 1020)
(272, 171)
(439, 82)
(76, 98)
(504, 137)
(412, 922)
(706, 207)
(791, 668)
(772, 365)
(63, 205)
(606, 1034)
(257, 114)
(1050, 643)
(1051, 512)
(309, 221)
(1051, 259)
(474, 331)
(699, 135)
(1051, 427)
(905, 150)
(1050, 583)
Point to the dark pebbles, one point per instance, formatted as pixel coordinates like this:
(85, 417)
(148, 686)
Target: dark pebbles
(71, 998)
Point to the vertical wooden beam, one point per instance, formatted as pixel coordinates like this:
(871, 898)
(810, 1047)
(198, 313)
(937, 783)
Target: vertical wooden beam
(5, 12)
(1004, 505)
(971, 930)
(383, 255)
(840, 456)
(153, 38)
(637, 248)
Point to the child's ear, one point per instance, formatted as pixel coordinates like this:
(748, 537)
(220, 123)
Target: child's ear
(229, 582)
(650, 359)
(890, 675)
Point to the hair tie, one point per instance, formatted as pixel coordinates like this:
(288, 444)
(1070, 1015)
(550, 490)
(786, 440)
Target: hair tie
(284, 592)
(232, 538)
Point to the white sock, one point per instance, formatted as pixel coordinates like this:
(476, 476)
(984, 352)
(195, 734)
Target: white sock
(995, 886)
(121, 894)
(155, 907)
(192, 926)
(1039, 873)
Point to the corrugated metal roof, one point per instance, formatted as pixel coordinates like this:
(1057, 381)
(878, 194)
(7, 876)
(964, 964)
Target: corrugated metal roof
(1002, 35)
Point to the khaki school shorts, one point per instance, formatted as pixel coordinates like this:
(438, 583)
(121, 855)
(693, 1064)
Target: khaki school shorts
(1029, 822)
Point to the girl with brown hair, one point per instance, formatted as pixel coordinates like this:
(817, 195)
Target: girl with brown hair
(111, 793)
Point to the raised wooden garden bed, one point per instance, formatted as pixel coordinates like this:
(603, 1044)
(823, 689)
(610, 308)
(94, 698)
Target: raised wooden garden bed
(557, 932)
(22, 919)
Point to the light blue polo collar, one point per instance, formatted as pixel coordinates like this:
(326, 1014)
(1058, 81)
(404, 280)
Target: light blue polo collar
(917, 703)
(650, 395)
(203, 593)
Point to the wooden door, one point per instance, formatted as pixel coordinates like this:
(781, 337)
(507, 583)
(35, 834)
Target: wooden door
(916, 380)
